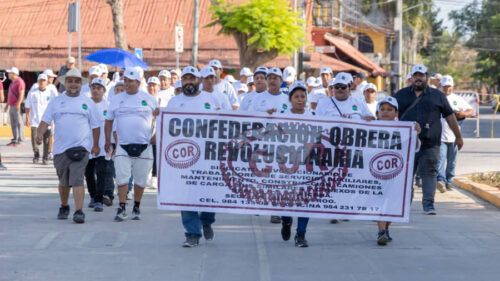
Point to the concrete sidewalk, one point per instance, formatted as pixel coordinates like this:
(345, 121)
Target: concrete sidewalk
(461, 243)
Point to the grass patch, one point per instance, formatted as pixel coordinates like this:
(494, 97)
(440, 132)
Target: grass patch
(490, 178)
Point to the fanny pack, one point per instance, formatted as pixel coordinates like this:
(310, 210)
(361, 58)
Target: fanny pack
(134, 149)
(76, 153)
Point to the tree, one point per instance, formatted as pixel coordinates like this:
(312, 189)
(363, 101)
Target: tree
(118, 26)
(263, 29)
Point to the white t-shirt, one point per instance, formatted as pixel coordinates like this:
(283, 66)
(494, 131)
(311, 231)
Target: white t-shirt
(349, 108)
(246, 103)
(74, 118)
(87, 91)
(265, 101)
(37, 101)
(358, 92)
(307, 112)
(102, 112)
(458, 104)
(164, 96)
(204, 101)
(372, 107)
(52, 89)
(227, 89)
(316, 94)
(133, 115)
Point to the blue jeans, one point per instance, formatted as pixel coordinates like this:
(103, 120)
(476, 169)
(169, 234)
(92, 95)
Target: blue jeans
(192, 222)
(447, 162)
(426, 161)
(301, 224)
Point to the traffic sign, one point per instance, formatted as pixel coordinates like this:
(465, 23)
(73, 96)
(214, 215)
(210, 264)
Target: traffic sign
(179, 38)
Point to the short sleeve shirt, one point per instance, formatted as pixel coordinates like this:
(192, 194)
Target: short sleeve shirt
(349, 108)
(204, 101)
(266, 101)
(37, 101)
(15, 89)
(227, 89)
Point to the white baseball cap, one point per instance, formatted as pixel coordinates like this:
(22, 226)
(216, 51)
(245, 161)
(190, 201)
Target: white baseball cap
(13, 70)
(104, 68)
(447, 80)
(71, 60)
(176, 71)
(261, 70)
(274, 71)
(49, 73)
(370, 86)
(245, 71)
(177, 84)
(207, 71)
(297, 85)
(390, 100)
(42, 77)
(311, 81)
(241, 87)
(165, 73)
(98, 81)
(325, 69)
(319, 82)
(215, 63)
(250, 80)
(95, 70)
(190, 70)
(418, 68)
(154, 80)
(342, 78)
(132, 73)
(230, 78)
(289, 74)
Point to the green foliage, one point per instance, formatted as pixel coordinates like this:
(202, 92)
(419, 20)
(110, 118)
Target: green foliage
(268, 24)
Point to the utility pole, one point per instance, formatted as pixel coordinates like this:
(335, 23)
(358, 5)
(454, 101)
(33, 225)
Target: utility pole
(196, 19)
(295, 54)
(400, 41)
(79, 23)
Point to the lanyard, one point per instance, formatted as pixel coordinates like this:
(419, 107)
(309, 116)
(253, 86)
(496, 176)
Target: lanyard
(338, 109)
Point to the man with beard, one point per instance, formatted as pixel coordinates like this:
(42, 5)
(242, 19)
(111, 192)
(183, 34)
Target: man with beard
(193, 99)
(259, 79)
(76, 130)
(425, 105)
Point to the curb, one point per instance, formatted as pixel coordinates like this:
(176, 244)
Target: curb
(6, 132)
(488, 193)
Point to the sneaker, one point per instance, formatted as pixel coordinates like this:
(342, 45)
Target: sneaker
(121, 214)
(388, 236)
(12, 143)
(136, 214)
(45, 161)
(79, 216)
(63, 213)
(441, 187)
(36, 160)
(208, 232)
(300, 241)
(430, 212)
(106, 200)
(130, 196)
(191, 242)
(2, 167)
(51, 156)
(98, 207)
(152, 184)
(449, 187)
(286, 231)
(92, 203)
(334, 221)
(382, 239)
(275, 219)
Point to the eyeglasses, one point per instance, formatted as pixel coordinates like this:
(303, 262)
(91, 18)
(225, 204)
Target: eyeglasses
(340, 87)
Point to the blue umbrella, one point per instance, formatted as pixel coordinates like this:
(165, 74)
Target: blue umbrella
(116, 57)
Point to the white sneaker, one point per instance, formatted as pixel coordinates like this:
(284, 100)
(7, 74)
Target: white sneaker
(153, 183)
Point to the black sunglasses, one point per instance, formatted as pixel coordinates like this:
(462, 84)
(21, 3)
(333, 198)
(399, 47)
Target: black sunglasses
(340, 87)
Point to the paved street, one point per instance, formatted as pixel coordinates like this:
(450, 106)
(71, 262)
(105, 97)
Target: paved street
(461, 243)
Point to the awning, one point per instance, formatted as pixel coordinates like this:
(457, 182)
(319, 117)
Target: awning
(351, 54)
(318, 60)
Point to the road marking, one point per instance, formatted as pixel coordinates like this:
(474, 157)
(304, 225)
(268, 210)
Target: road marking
(264, 272)
(87, 237)
(47, 240)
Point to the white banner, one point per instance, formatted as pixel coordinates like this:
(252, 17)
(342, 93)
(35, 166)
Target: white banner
(285, 165)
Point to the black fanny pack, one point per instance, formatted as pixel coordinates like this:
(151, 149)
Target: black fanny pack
(134, 149)
(76, 153)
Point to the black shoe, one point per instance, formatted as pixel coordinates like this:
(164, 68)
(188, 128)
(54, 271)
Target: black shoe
(98, 207)
(334, 221)
(430, 212)
(79, 217)
(136, 214)
(286, 231)
(388, 236)
(449, 187)
(45, 161)
(382, 238)
(208, 232)
(91, 203)
(63, 213)
(121, 214)
(106, 200)
(36, 160)
(300, 241)
(191, 242)
(275, 219)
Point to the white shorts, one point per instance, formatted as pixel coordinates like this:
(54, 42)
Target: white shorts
(137, 167)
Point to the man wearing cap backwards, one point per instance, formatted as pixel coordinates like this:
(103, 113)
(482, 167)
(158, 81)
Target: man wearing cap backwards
(208, 80)
(448, 148)
(133, 113)
(193, 99)
(358, 85)
(166, 90)
(259, 79)
(36, 102)
(99, 170)
(15, 98)
(425, 105)
(223, 86)
(76, 131)
(70, 64)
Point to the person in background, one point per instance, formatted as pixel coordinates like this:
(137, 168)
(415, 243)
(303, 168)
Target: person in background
(317, 93)
(70, 64)
(370, 97)
(289, 77)
(94, 72)
(326, 75)
(15, 98)
(166, 90)
(242, 91)
(358, 85)
(259, 79)
(250, 85)
(178, 87)
(223, 86)
(207, 81)
(175, 75)
(435, 81)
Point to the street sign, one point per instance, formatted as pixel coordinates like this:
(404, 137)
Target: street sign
(325, 49)
(179, 38)
(73, 17)
(138, 53)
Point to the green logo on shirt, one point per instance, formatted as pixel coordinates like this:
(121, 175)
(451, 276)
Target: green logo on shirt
(105, 112)
(144, 103)
(354, 108)
(285, 106)
(84, 106)
(207, 105)
(455, 102)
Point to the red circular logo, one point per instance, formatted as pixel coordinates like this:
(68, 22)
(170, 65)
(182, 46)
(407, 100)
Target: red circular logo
(386, 165)
(182, 154)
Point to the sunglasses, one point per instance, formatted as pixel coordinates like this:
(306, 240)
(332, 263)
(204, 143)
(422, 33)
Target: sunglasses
(340, 87)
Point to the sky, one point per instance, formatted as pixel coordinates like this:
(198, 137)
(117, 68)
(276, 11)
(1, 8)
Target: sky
(447, 6)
